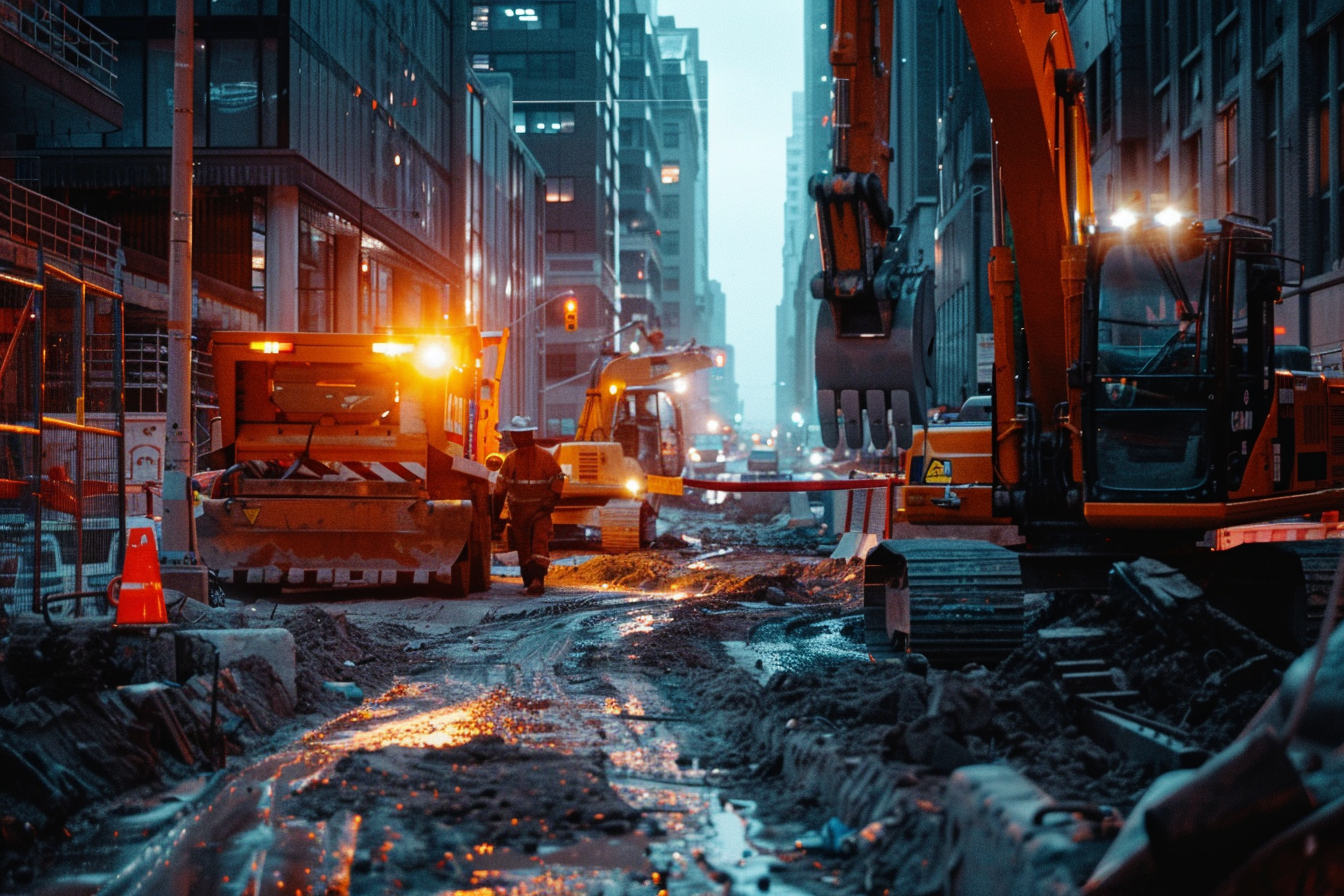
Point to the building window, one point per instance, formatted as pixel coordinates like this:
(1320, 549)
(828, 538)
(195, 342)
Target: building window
(1268, 16)
(317, 267)
(536, 15)
(1105, 90)
(545, 120)
(1269, 196)
(539, 66)
(672, 279)
(1160, 39)
(1227, 158)
(1229, 59)
(672, 242)
(562, 362)
(671, 135)
(1189, 26)
(560, 241)
(672, 173)
(559, 189)
(672, 205)
(1190, 151)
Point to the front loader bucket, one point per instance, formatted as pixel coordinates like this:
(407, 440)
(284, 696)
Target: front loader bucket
(303, 539)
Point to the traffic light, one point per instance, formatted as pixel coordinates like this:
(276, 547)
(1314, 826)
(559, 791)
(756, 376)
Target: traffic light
(571, 315)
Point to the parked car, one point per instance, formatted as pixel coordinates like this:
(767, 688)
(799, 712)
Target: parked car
(706, 456)
(976, 409)
(763, 460)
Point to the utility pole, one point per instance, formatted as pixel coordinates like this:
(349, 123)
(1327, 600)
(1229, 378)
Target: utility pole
(181, 570)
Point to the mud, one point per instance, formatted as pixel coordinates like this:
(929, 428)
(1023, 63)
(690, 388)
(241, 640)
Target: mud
(446, 818)
(871, 744)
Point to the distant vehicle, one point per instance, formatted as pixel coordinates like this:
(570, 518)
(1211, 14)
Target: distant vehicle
(976, 409)
(706, 456)
(763, 460)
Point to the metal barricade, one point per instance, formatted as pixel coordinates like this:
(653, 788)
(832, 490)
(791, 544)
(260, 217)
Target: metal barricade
(869, 510)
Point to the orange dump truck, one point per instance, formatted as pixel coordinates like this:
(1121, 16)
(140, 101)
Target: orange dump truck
(349, 460)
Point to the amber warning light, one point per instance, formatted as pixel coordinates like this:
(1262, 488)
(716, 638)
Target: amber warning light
(271, 348)
(392, 349)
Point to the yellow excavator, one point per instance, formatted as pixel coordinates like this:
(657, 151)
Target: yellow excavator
(629, 430)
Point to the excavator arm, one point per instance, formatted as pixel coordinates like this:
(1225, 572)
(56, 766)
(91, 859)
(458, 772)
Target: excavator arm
(1044, 179)
(875, 327)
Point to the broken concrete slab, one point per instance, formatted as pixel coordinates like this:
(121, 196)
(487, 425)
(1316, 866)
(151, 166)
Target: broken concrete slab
(274, 645)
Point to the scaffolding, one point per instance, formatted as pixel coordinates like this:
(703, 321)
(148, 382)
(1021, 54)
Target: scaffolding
(62, 465)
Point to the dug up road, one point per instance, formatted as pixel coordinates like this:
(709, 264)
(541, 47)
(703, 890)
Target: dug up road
(686, 720)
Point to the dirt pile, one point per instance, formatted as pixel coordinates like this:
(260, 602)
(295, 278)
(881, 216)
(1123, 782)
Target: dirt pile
(329, 648)
(438, 819)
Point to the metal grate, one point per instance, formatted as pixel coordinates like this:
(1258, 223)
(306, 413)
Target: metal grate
(590, 466)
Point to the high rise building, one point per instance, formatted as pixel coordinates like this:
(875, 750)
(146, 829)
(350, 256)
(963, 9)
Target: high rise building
(565, 65)
(809, 146)
(640, 138)
(337, 146)
(684, 176)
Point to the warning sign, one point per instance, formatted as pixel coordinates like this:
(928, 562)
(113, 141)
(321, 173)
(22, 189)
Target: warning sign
(666, 485)
(939, 472)
(252, 513)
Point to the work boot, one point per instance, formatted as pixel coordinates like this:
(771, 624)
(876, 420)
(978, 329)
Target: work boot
(529, 575)
(537, 588)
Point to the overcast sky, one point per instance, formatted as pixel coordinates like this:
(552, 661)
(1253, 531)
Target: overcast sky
(755, 54)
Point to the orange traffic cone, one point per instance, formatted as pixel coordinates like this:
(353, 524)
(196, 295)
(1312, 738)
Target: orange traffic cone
(139, 599)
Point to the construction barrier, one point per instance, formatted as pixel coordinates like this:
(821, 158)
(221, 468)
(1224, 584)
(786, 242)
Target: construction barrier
(868, 505)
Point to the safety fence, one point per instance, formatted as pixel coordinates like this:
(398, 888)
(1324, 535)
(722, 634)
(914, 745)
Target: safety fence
(62, 479)
(868, 501)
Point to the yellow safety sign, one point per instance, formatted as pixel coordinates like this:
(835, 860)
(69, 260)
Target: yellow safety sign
(252, 513)
(939, 472)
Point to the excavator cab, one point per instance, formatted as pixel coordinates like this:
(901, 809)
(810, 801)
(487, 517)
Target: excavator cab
(648, 426)
(1179, 351)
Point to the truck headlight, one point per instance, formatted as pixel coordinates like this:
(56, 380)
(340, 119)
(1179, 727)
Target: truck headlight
(633, 486)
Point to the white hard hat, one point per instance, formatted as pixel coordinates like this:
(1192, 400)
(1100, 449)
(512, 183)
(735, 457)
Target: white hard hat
(519, 424)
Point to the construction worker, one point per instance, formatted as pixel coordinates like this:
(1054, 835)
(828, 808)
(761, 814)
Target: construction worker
(531, 481)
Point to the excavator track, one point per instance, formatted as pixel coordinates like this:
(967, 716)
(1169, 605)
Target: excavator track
(1319, 562)
(964, 597)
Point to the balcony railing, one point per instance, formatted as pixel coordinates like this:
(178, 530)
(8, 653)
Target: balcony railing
(67, 37)
(37, 220)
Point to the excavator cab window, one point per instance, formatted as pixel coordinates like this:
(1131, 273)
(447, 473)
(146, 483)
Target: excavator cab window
(1153, 366)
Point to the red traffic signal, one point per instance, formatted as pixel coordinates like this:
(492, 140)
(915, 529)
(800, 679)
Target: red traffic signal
(571, 315)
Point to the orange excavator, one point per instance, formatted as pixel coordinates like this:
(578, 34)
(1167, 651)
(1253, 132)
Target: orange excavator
(1150, 404)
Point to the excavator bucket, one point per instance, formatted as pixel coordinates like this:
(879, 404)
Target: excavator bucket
(358, 532)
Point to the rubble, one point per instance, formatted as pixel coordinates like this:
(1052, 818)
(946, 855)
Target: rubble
(88, 713)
